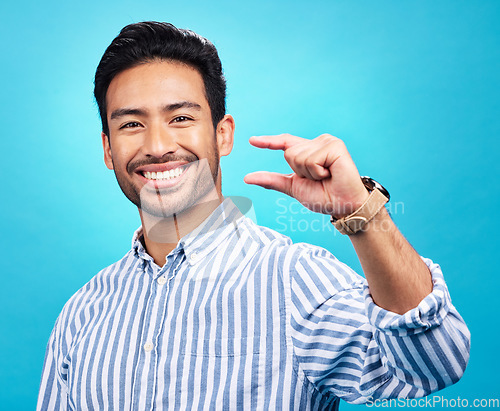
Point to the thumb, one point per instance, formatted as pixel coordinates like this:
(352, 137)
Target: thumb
(269, 180)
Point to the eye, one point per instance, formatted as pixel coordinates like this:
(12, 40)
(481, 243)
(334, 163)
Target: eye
(181, 119)
(131, 124)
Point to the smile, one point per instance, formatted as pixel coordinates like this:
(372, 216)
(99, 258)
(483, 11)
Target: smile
(164, 175)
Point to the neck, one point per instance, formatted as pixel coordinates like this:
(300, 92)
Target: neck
(162, 234)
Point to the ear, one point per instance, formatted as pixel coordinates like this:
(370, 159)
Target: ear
(225, 135)
(108, 160)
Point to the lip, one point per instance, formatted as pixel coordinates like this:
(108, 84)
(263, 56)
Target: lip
(160, 167)
(159, 184)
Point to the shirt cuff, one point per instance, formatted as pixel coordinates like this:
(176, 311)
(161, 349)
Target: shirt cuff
(428, 314)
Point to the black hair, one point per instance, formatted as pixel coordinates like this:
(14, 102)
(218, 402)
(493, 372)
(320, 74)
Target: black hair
(148, 41)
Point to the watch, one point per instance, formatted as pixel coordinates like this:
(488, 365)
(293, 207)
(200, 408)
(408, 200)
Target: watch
(357, 220)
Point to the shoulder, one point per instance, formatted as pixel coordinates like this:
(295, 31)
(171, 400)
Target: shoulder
(302, 261)
(104, 284)
(263, 235)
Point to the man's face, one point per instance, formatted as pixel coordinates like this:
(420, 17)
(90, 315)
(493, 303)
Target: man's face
(162, 143)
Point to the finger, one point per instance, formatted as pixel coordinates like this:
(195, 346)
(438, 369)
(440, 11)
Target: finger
(316, 170)
(307, 161)
(278, 142)
(272, 181)
(299, 167)
(318, 162)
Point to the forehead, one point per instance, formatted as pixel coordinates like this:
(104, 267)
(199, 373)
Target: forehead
(155, 84)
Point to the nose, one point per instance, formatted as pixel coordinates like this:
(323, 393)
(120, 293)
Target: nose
(159, 141)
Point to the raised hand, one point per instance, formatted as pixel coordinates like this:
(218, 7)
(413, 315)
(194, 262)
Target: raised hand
(325, 179)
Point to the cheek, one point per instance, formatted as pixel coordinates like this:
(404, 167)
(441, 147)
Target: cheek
(121, 155)
(201, 142)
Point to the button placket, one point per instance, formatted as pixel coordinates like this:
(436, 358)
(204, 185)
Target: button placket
(159, 294)
(157, 303)
(150, 329)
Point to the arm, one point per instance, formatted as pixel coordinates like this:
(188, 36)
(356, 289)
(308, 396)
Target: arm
(396, 336)
(397, 276)
(53, 392)
(326, 180)
(350, 347)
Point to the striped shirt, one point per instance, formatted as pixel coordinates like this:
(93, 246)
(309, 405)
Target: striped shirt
(239, 317)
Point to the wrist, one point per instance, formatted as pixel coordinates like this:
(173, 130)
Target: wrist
(347, 207)
(362, 214)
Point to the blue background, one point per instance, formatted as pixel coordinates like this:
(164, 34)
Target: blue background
(411, 86)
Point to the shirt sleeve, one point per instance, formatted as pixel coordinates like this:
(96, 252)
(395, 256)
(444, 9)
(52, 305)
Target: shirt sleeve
(53, 390)
(349, 347)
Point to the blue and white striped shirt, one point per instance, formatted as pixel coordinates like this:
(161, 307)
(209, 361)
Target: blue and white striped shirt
(241, 318)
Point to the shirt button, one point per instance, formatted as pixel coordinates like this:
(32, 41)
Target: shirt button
(193, 257)
(148, 346)
(161, 280)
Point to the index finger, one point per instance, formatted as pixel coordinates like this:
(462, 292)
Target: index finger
(277, 142)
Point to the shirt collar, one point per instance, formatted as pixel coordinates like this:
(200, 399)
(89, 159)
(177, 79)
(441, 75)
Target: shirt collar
(203, 239)
(138, 246)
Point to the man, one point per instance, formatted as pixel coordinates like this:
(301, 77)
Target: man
(210, 311)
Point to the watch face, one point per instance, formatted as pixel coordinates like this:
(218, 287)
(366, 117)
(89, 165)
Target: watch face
(371, 185)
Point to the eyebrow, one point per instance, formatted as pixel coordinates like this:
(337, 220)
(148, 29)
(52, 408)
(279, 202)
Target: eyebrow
(121, 112)
(181, 104)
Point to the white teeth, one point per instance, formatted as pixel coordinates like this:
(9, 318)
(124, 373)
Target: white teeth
(165, 175)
